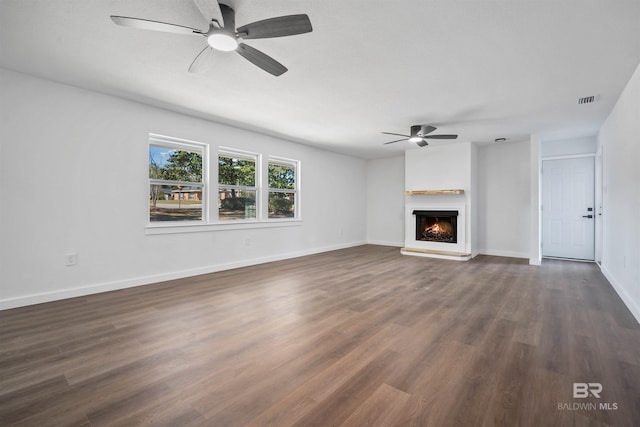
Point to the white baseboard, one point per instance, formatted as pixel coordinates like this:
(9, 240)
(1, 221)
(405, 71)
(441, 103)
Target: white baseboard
(632, 305)
(146, 280)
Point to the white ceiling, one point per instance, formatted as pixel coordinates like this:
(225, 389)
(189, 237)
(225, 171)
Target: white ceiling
(481, 69)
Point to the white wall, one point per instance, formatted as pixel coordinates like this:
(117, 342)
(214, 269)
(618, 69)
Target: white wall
(73, 178)
(569, 147)
(474, 197)
(619, 138)
(535, 200)
(385, 201)
(496, 179)
(483, 171)
(503, 200)
(439, 167)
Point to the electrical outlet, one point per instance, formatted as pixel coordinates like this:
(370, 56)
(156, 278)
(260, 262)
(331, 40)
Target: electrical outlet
(70, 259)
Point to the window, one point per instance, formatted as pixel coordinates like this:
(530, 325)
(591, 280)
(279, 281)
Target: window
(283, 188)
(237, 185)
(252, 191)
(176, 180)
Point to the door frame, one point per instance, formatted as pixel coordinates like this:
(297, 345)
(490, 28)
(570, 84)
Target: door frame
(597, 196)
(599, 191)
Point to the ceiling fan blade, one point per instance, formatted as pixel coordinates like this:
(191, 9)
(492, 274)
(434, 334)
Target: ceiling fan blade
(396, 134)
(397, 140)
(276, 27)
(426, 129)
(145, 24)
(422, 143)
(261, 60)
(441, 136)
(201, 59)
(210, 9)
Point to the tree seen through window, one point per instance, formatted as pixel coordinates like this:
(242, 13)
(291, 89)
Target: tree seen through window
(236, 187)
(176, 183)
(282, 189)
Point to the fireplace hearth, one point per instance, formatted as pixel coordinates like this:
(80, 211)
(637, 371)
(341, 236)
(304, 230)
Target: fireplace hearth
(436, 226)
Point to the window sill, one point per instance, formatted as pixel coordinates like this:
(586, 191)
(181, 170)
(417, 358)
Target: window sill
(231, 225)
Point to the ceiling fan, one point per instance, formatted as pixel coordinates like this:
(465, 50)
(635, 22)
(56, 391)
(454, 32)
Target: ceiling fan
(419, 135)
(223, 35)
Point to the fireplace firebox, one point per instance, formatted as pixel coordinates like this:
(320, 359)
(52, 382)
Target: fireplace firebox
(436, 226)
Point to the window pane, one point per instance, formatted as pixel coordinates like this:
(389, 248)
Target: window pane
(236, 204)
(281, 205)
(233, 171)
(175, 203)
(175, 164)
(282, 176)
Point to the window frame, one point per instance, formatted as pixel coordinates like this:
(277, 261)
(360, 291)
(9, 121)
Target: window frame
(173, 143)
(209, 221)
(241, 155)
(295, 190)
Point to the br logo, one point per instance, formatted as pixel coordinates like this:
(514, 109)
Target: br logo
(583, 390)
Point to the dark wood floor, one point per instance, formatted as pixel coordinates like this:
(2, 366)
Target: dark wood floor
(356, 337)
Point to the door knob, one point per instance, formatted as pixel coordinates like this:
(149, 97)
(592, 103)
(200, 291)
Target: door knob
(587, 216)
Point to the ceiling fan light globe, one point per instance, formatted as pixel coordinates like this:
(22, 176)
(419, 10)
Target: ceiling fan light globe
(415, 139)
(222, 41)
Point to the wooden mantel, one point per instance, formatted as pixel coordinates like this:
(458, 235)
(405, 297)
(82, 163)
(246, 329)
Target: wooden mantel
(432, 192)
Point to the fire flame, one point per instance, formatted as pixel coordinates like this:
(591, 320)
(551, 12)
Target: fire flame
(437, 228)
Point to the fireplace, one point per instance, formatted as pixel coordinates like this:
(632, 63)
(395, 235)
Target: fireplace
(436, 226)
(437, 229)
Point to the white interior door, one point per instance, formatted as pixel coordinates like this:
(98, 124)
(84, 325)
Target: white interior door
(568, 208)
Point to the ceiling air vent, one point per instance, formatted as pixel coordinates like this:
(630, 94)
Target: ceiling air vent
(587, 99)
